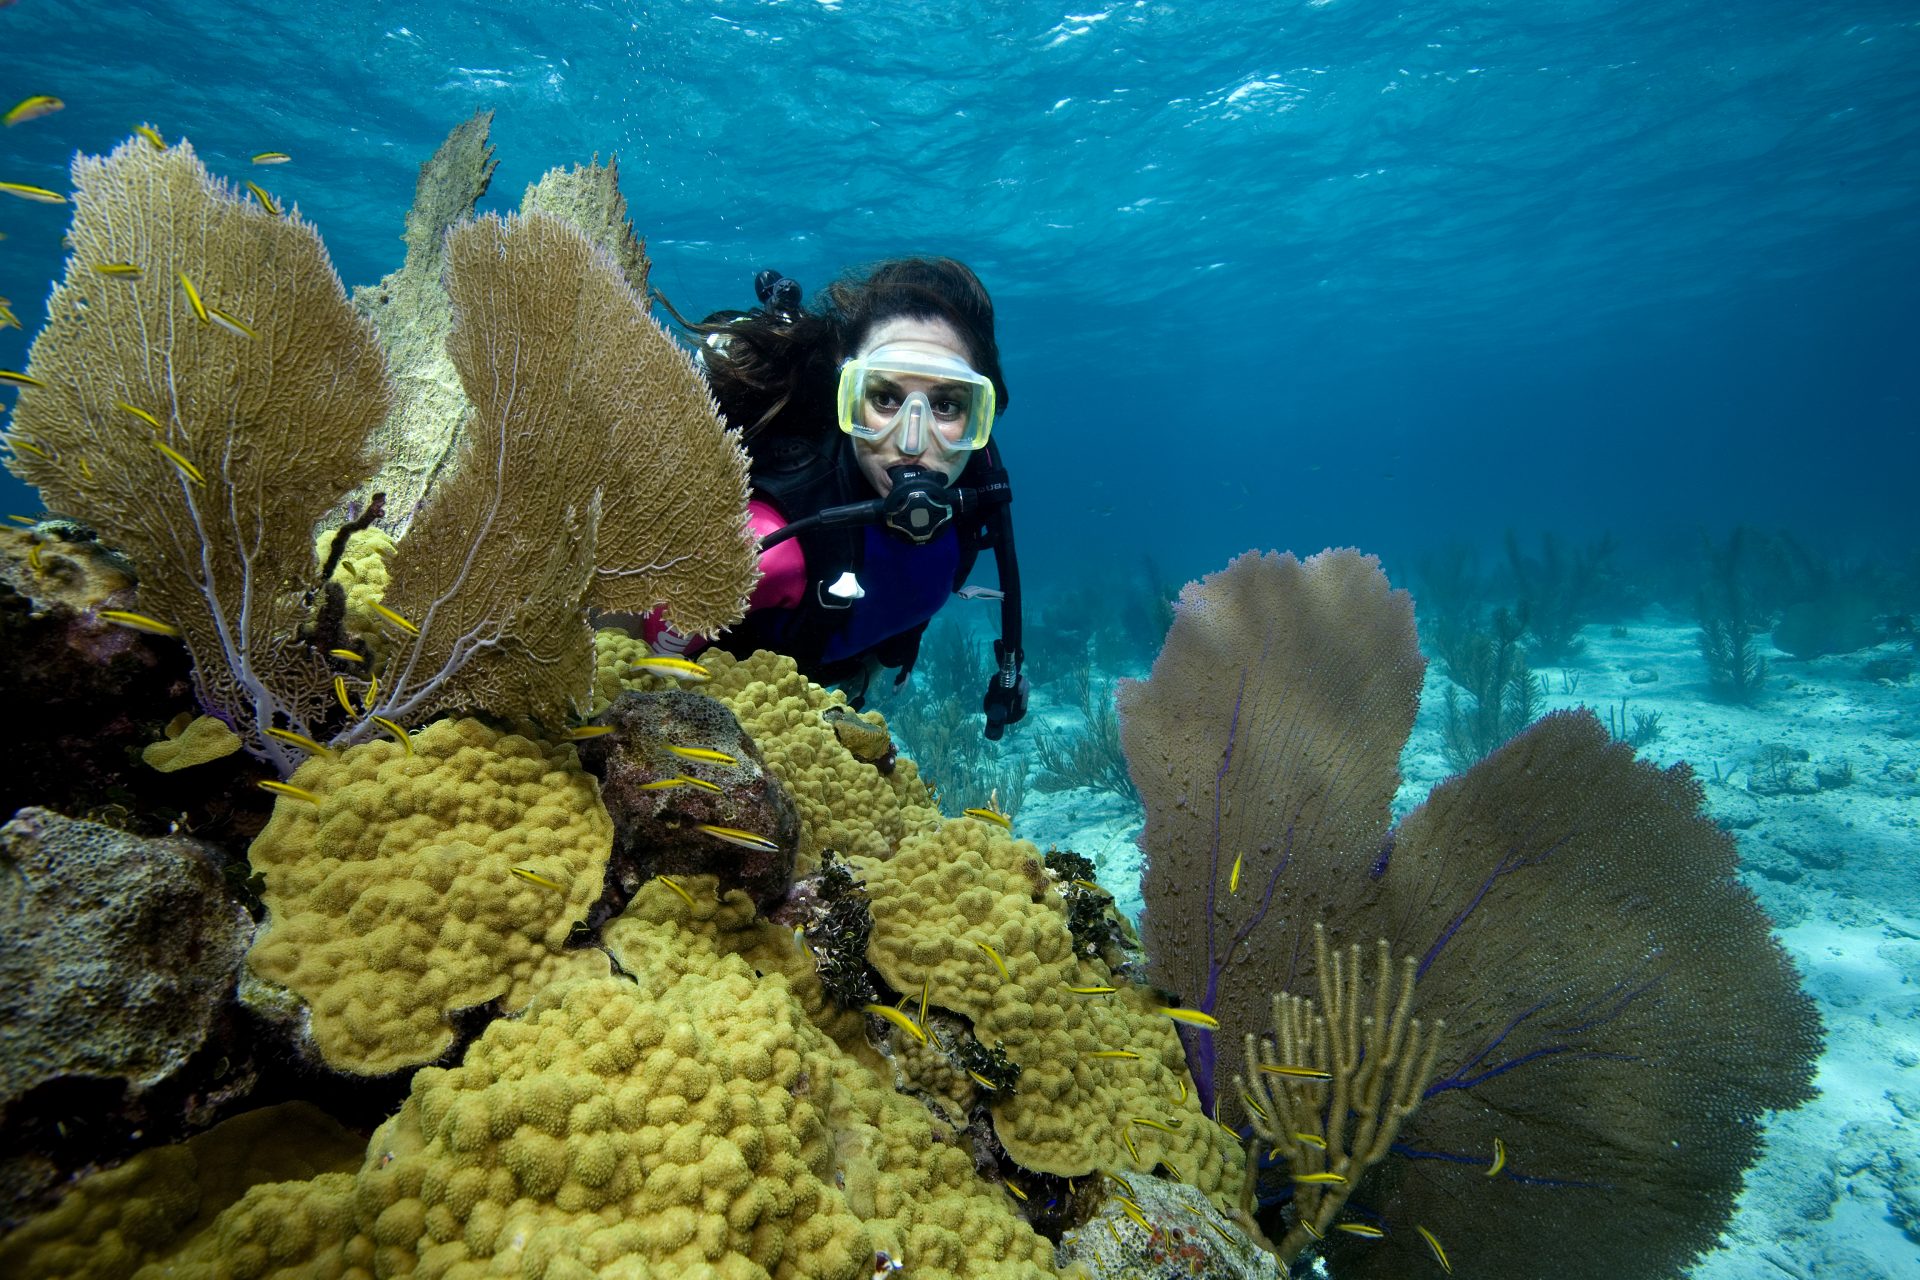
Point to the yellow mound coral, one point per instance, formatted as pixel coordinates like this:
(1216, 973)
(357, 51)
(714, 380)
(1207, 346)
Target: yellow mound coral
(1103, 1081)
(191, 740)
(659, 938)
(614, 653)
(708, 1129)
(114, 1221)
(362, 574)
(399, 897)
(845, 804)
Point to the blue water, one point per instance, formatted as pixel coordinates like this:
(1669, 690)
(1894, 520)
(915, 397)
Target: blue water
(1269, 275)
(1296, 274)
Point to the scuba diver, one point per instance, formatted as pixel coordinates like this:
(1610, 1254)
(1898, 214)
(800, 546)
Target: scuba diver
(876, 481)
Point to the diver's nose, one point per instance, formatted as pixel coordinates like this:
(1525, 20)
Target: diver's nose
(913, 425)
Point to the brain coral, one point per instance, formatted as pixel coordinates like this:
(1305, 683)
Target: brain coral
(845, 804)
(393, 901)
(935, 903)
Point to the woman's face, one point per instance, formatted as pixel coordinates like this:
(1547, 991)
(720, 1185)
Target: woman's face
(934, 337)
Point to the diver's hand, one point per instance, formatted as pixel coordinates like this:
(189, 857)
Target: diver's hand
(1005, 702)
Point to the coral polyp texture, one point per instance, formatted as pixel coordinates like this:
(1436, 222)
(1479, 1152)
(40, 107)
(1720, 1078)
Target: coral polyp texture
(696, 1125)
(393, 898)
(153, 1207)
(1103, 1080)
(846, 804)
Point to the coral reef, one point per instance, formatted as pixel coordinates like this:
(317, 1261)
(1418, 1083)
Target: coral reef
(191, 740)
(968, 916)
(421, 434)
(595, 475)
(1154, 1227)
(845, 803)
(147, 438)
(147, 1209)
(413, 879)
(665, 806)
(1617, 1014)
(120, 952)
(764, 1011)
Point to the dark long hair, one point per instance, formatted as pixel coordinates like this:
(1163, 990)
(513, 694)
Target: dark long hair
(775, 369)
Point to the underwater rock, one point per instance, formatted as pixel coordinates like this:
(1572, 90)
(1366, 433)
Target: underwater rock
(122, 949)
(122, 958)
(1178, 1232)
(87, 696)
(668, 809)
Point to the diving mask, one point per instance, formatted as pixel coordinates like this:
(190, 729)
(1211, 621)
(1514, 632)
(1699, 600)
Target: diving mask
(920, 400)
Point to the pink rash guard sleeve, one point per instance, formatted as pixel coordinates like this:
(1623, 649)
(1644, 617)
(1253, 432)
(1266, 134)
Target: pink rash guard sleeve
(782, 585)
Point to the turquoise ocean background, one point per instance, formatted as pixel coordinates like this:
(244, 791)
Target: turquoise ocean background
(1270, 275)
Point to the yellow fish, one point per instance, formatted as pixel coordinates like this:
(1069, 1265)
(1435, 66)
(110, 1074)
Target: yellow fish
(33, 108)
(1093, 991)
(288, 789)
(411, 628)
(232, 326)
(704, 754)
(399, 733)
(138, 622)
(1321, 1179)
(299, 740)
(675, 668)
(345, 655)
(1360, 1229)
(39, 195)
(122, 270)
(8, 320)
(193, 297)
(994, 956)
(897, 1018)
(1433, 1243)
(271, 157)
(141, 414)
(1233, 881)
(179, 460)
(152, 135)
(1193, 1016)
(267, 202)
(734, 835)
(1499, 1158)
(11, 378)
(668, 784)
(994, 816)
(534, 877)
(1298, 1073)
(581, 732)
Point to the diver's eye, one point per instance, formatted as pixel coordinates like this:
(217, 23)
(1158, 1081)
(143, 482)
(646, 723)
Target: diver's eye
(885, 399)
(950, 407)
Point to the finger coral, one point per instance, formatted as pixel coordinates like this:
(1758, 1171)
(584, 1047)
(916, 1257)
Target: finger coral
(425, 878)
